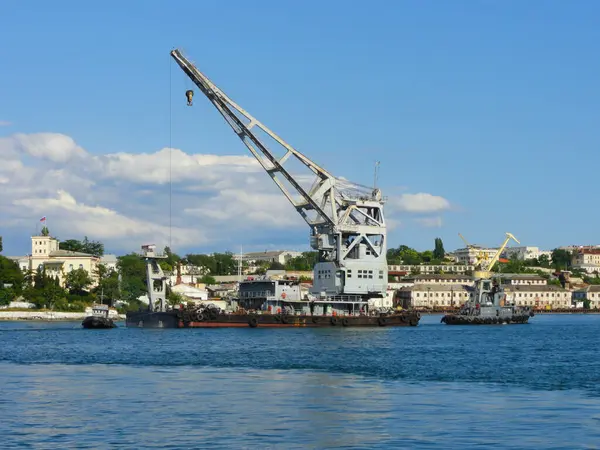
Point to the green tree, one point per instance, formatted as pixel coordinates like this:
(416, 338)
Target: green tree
(207, 279)
(172, 258)
(438, 251)
(95, 248)
(1, 248)
(306, 261)
(275, 265)
(133, 277)
(108, 284)
(78, 281)
(10, 273)
(561, 259)
(544, 261)
(45, 231)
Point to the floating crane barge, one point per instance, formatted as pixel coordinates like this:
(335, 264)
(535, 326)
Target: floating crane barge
(348, 231)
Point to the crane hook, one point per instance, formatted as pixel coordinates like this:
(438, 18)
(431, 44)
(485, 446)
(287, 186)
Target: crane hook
(189, 94)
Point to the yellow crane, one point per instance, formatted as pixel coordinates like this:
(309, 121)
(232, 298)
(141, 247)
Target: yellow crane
(486, 268)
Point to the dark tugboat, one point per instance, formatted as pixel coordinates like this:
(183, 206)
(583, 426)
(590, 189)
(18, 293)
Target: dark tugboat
(487, 304)
(99, 318)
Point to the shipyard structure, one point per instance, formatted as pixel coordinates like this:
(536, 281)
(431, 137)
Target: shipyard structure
(347, 229)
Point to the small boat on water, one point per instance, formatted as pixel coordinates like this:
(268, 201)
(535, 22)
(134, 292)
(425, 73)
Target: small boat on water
(99, 318)
(487, 304)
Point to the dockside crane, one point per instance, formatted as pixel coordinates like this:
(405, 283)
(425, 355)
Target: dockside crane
(346, 219)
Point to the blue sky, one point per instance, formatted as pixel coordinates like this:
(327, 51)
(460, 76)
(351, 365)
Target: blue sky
(492, 106)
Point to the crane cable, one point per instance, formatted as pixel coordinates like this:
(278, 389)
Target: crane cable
(170, 151)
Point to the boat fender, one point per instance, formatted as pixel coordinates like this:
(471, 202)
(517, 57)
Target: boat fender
(381, 321)
(277, 318)
(344, 322)
(285, 319)
(334, 321)
(315, 319)
(253, 322)
(414, 322)
(404, 318)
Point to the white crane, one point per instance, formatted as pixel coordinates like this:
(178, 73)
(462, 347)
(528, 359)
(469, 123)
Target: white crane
(346, 219)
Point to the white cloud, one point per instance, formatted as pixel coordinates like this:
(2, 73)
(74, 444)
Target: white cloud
(54, 147)
(431, 222)
(5, 123)
(123, 198)
(76, 218)
(418, 203)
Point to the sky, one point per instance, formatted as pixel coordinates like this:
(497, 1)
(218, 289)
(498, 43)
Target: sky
(483, 114)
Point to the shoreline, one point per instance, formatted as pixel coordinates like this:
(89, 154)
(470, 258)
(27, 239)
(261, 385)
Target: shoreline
(47, 316)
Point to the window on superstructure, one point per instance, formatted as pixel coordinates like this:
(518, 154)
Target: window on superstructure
(349, 273)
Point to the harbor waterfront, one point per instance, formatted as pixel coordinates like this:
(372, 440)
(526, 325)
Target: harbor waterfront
(528, 387)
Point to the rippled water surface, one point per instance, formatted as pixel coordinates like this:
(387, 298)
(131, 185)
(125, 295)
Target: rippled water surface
(433, 386)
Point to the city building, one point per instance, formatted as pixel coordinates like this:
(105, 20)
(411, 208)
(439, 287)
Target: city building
(437, 279)
(46, 254)
(524, 253)
(586, 259)
(538, 296)
(591, 293)
(521, 279)
(280, 256)
(473, 254)
(110, 262)
(430, 296)
(407, 269)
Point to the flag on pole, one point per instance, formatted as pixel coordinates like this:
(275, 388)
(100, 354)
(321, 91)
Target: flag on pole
(43, 219)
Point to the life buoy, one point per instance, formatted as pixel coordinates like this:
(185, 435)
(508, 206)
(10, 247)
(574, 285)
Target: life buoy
(253, 322)
(344, 322)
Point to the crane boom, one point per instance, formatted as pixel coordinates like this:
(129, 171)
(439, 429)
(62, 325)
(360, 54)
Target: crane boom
(346, 219)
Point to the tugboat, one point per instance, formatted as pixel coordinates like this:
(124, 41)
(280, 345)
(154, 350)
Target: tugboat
(99, 318)
(487, 304)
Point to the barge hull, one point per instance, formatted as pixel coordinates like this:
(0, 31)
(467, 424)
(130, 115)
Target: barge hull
(172, 319)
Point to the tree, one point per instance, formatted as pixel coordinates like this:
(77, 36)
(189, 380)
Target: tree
(1, 244)
(275, 265)
(108, 284)
(544, 261)
(207, 279)
(438, 251)
(45, 231)
(306, 261)
(78, 281)
(133, 277)
(561, 259)
(10, 273)
(95, 248)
